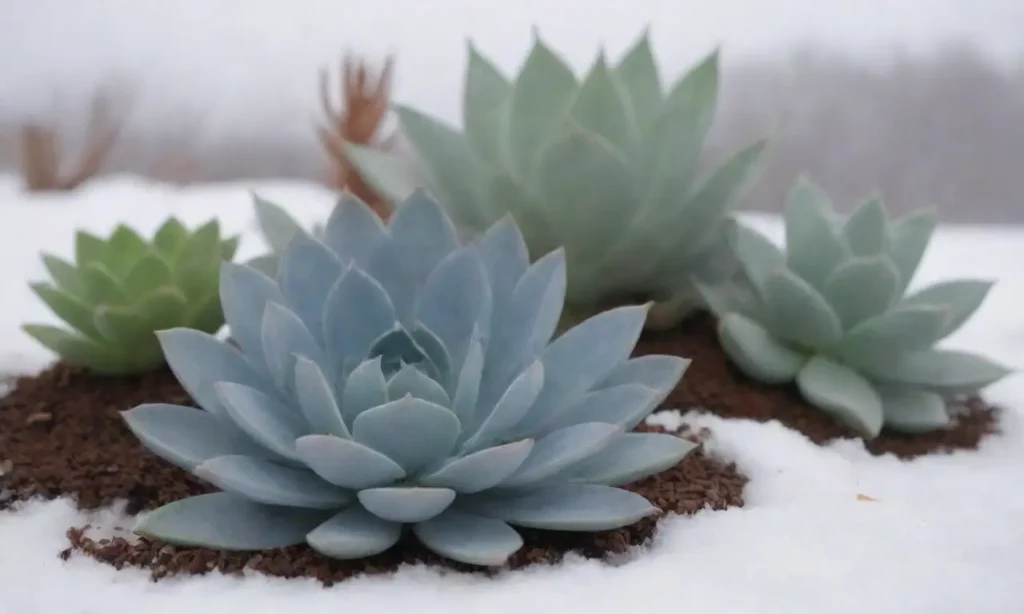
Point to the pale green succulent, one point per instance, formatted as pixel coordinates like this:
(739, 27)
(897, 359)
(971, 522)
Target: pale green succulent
(392, 377)
(122, 289)
(833, 314)
(605, 167)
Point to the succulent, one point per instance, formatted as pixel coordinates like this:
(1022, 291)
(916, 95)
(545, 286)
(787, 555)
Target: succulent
(122, 289)
(393, 376)
(605, 167)
(833, 314)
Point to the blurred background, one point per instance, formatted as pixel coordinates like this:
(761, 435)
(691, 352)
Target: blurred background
(922, 100)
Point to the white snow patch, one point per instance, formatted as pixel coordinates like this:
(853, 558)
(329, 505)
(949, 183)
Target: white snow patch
(937, 535)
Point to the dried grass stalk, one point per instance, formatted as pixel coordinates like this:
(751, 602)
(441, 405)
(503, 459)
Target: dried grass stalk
(358, 118)
(41, 155)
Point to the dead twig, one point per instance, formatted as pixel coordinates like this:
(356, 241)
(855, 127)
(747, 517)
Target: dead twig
(358, 119)
(42, 155)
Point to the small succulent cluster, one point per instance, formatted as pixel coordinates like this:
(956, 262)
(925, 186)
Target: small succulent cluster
(605, 167)
(832, 314)
(122, 289)
(392, 376)
(407, 374)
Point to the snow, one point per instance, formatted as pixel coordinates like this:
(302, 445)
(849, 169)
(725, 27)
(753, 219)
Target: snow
(935, 535)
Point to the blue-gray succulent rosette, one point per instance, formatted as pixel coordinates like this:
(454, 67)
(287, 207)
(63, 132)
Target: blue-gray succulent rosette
(392, 378)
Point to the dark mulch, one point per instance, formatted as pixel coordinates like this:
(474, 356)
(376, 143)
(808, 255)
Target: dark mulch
(713, 383)
(61, 434)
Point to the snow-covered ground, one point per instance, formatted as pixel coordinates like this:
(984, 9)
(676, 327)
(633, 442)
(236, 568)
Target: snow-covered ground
(944, 535)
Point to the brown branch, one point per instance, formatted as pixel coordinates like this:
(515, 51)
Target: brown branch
(364, 102)
(42, 155)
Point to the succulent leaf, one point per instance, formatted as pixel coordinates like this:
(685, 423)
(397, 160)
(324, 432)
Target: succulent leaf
(353, 534)
(405, 504)
(865, 229)
(266, 419)
(305, 288)
(148, 273)
(455, 301)
(456, 172)
(796, 312)
(126, 328)
(677, 134)
(899, 330)
(352, 231)
(814, 247)
(355, 297)
(509, 410)
(430, 395)
(574, 507)
(482, 469)
(602, 107)
(759, 257)
(908, 240)
(228, 522)
(64, 274)
(518, 338)
(386, 174)
(961, 296)
(284, 339)
(861, 288)
(170, 237)
(756, 352)
(843, 394)
(626, 405)
(411, 431)
(123, 248)
(950, 372)
(264, 481)
(469, 538)
(913, 410)
(485, 94)
(101, 285)
(199, 361)
(632, 455)
(543, 92)
(560, 450)
(77, 350)
(185, 436)
(719, 194)
(365, 389)
(638, 73)
(347, 463)
(582, 357)
(277, 227)
(74, 311)
(89, 248)
(598, 203)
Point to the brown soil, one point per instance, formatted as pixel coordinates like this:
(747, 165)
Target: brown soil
(713, 383)
(61, 434)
